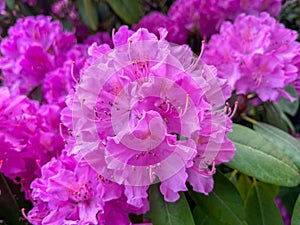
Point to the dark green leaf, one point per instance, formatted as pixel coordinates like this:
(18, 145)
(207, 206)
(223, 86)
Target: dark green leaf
(286, 105)
(261, 208)
(288, 197)
(271, 189)
(244, 184)
(273, 116)
(276, 117)
(10, 3)
(127, 10)
(88, 13)
(169, 213)
(259, 158)
(201, 218)
(223, 204)
(296, 213)
(11, 202)
(285, 142)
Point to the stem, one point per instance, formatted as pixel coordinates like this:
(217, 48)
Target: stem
(232, 175)
(253, 121)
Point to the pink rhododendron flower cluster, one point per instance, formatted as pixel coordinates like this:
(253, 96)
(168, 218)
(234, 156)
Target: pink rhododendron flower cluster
(65, 9)
(189, 16)
(34, 46)
(70, 191)
(38, 52)
(29, 137)
(255, 54)
(145, 110)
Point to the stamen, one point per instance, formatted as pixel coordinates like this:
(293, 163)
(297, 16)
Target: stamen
(72, 72)
(202, 47)
(258, 79)
(85, 116)
(151, 173)
(227, 108)
(197, 61)
(213, 169)
(38, 163)
(186, 103)
(61, 133)
(234, 109)
(27, 218)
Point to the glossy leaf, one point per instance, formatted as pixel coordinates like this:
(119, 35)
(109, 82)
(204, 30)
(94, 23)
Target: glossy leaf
(223, 204)
(288, 144)
(276, 117)
(127, 10)
(259, 158)
(88, 12)
(201, 218)
(169, 213)
(261, 208)
(296, 213)
(286, 105)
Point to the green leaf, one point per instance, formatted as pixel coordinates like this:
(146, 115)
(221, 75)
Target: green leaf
(223, 204)
(276, 117)
(88, 13)
(244, 184)
(201, 218)
(285, 142)
(271, 189)
(288, 197)
(10, 3)
(169, 213)
(296, 213)
(261, 208)
(127, 10)
(11, 202)
(286, 105)
(259, 158)
(273, 116)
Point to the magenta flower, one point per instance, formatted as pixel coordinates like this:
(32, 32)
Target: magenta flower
(34, 46)
(2, 6)
(286, 217)
(206, 16)
(65, 9)
(177, 34)
(255, 54)
(71, 192)
(147, 109)
(57, 83)
(29, 137)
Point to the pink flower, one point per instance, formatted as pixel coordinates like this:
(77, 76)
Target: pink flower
(207, 16)
(34, 46)
(255, 54)
(157, 20)
(29, 137)
(71, 192)
(147, 109)
(2, 7)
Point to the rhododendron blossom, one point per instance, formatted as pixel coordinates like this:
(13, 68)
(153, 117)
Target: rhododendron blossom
(71, 192)
(34, 46)
(29, 137)
(255, 54)
(147, 110)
